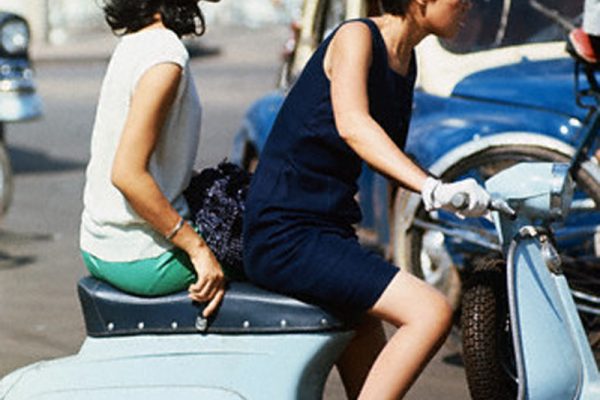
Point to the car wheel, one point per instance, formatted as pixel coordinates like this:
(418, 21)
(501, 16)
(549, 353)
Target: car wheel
(442, 261)
(488, 353)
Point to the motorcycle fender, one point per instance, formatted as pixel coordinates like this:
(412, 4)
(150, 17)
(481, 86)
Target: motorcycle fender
(546, 350)
(257, 124)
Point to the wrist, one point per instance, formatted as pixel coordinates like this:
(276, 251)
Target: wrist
(197, 248)
(175, 229)
(187, 239)
(427, 192)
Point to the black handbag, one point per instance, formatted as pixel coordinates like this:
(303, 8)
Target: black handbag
(216, 199)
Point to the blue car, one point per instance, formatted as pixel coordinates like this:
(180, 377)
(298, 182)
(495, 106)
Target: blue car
(503, 91)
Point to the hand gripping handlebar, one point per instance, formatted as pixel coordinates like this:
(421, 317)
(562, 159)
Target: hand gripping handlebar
(460, 201)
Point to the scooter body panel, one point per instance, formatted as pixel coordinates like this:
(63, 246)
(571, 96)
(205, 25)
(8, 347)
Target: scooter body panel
(590, 386)
(547, 353)
(210, 367)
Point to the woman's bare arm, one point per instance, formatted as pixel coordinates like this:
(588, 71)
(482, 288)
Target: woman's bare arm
(347, 66)
(150, 104)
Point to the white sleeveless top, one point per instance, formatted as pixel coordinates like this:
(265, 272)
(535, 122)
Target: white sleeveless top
(110, 228)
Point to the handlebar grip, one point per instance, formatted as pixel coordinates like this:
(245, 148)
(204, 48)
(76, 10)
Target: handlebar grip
(460, 201)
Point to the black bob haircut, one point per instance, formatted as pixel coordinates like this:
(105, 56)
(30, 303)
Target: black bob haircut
(395, 7)
(183, 17)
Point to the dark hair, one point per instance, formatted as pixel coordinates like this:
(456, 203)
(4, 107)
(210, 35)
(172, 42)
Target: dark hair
(181, 16)
(395, 7)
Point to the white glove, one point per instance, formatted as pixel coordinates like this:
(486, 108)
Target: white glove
(440, 195)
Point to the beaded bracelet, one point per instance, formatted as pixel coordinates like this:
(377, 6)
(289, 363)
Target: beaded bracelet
(175, 229)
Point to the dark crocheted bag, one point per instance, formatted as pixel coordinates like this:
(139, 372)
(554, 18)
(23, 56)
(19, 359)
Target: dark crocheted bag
(216, 198)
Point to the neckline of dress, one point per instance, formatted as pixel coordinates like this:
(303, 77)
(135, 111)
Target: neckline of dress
(411, 66)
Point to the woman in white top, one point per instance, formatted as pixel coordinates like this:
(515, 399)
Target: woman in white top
(134, 232)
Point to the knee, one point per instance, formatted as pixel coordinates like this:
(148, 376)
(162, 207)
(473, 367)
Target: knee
(436, 316)
(409, 301)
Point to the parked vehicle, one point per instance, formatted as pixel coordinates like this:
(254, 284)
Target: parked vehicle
(18, 98)
(522, 337)
(500, 93)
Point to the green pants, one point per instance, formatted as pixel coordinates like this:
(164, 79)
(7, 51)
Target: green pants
(170, 272)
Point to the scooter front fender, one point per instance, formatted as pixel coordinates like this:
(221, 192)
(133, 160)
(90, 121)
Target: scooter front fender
(547, 335)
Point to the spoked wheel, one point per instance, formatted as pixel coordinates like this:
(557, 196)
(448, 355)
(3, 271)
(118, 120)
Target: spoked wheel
(443, 259)
(488, 352)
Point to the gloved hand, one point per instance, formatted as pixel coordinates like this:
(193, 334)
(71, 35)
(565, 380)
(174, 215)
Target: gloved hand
(437, 194)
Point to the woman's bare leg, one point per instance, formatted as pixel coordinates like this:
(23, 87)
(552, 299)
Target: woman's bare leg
(423, 317)
(364, 347)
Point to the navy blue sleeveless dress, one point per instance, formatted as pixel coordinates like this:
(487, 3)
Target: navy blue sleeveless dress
(298, 226)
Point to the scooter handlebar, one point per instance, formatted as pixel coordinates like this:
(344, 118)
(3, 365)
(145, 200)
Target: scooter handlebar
(460, 201)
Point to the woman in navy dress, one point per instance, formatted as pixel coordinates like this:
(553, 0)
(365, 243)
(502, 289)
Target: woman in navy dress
(352, 103)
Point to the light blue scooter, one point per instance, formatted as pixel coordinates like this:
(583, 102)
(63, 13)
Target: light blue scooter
(259, 346)
(522, 335)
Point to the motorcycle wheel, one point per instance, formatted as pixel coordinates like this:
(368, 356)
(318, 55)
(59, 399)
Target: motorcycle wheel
(488, 353)
(6, 179)
(430, 259)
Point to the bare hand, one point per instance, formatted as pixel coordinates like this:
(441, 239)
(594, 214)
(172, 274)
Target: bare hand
(210, 286)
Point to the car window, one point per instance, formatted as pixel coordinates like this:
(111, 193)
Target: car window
(500, 23)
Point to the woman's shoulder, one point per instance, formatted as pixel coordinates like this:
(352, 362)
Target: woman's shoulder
(353, 34)
(356, 28)
(356, 37)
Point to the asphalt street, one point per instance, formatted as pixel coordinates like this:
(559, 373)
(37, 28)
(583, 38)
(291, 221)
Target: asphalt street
(39, 257)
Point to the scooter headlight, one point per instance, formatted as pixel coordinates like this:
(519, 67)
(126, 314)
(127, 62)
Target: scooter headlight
(14, 36)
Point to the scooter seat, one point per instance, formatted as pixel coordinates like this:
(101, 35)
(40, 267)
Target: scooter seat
(245, 309)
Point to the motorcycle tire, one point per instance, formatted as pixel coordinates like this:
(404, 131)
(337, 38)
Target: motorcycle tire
(6, 179)
(488, 353)
(429, 259)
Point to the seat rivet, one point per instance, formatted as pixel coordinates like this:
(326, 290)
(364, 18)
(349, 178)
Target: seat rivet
(324, 322)
(174, 324)
(110, 326)
(201, 323)
(246, 324)
(283, 323)
(140, 325)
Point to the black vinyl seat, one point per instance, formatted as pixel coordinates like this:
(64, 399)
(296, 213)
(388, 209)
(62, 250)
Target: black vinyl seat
(245, 309)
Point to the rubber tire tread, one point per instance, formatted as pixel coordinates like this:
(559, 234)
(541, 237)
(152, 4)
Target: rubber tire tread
(483, 318)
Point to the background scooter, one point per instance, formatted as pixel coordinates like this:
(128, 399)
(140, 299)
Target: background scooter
(18, 98)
